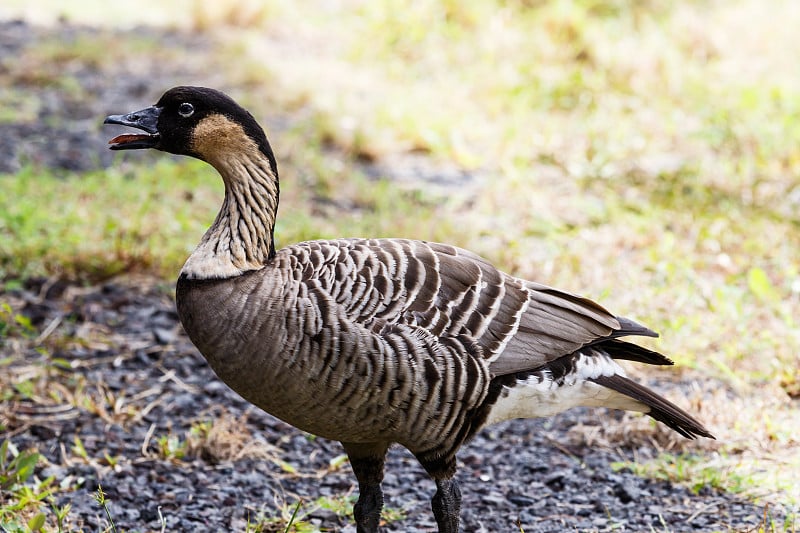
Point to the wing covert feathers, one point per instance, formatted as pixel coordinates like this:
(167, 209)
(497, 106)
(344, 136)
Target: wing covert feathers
(515, 325)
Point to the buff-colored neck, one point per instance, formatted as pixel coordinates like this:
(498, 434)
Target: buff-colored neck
(241, 237)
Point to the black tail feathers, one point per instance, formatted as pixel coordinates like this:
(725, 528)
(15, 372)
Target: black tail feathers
(660, 409)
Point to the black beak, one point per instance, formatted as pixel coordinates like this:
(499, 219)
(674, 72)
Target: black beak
(145, 120)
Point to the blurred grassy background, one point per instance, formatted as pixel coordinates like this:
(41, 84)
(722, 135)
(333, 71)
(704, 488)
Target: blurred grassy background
(646, 154)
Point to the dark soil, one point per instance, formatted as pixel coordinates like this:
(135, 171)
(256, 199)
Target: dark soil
(149, 382)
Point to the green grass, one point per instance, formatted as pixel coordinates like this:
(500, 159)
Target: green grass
(102, 223)
(645, 154)
(296, 517)
(147, 219)
(16, 468)
(725, 474)
(700, 473)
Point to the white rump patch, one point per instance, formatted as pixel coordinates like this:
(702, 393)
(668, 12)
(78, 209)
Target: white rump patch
(539, 396)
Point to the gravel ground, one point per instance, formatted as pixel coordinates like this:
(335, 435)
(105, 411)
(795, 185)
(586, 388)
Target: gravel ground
(148, 382)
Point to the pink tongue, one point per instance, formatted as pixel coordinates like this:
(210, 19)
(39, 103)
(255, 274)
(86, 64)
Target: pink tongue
(127, 137)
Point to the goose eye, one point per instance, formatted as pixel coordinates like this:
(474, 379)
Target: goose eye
(185, 109)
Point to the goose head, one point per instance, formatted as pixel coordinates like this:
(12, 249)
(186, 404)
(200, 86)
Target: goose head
(194, 121)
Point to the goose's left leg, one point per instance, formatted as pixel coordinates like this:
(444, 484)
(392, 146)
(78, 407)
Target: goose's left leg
(446, 505)
(367, 461)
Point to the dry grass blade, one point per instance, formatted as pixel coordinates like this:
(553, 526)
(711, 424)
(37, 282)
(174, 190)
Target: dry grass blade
(226, 438)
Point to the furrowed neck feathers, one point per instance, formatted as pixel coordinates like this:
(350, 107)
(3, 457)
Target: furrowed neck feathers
(241, 237)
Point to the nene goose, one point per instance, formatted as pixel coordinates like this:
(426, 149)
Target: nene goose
(372, 342)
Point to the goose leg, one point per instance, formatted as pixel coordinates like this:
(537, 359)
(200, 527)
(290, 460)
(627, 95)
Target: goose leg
(446, 505)
(367, 464)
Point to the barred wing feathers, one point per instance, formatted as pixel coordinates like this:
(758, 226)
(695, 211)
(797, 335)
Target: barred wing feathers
(448, 292)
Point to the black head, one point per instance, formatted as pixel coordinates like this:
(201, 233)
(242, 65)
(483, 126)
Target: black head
(193, 121)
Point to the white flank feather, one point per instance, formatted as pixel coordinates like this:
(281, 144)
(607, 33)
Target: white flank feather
(540, 396)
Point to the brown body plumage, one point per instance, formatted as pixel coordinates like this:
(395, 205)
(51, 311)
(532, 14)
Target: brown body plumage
(374, 342)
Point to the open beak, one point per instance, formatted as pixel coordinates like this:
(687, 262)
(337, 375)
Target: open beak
(145, 120)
